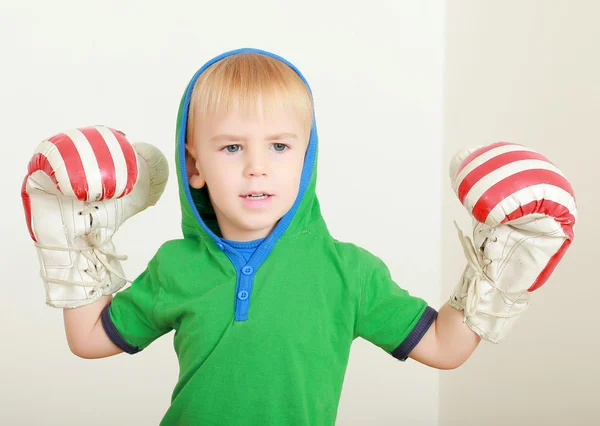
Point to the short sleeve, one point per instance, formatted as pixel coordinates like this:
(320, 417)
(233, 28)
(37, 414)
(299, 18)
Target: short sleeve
(389, 316)
(129, 320)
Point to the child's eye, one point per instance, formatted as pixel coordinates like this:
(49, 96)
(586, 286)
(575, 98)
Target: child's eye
(232, 148)
(279, 147)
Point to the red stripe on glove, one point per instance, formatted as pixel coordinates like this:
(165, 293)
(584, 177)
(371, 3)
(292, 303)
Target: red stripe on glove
(106, 165)
(73, 164)
(511, 184)
(492, 165)
(479, 152)
(130, 160)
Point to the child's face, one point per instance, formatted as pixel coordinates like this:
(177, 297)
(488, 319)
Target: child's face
(236, 155)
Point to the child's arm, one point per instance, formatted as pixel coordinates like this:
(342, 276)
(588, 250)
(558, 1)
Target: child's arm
(448, 343)
(85, 333)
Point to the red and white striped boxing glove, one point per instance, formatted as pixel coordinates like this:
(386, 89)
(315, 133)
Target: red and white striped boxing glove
(524, 213)
(80, 187)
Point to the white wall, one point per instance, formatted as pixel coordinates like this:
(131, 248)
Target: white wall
(376, 73)
(529, 72)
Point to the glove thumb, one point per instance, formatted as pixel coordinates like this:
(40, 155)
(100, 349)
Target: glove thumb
(158, 169)
(153, 174)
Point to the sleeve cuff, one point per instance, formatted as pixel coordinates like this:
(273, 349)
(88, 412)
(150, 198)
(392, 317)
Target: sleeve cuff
(417, 333)
(113, 334)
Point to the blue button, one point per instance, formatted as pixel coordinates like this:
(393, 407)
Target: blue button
(221, 246)
(247, 270)
(243, 295)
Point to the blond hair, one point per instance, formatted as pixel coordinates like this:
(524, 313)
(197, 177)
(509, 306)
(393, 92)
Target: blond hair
(243, 80)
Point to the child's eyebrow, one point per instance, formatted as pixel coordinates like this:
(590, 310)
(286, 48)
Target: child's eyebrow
(280, 136)
(235, 138)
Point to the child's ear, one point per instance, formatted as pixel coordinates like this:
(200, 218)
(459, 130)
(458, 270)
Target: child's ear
(194, 176)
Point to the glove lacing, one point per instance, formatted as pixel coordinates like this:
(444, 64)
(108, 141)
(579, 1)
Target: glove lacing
(95, 254)
(477, 263)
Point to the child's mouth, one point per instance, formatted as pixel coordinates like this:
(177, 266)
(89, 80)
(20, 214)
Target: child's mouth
(256, 200)
(257, 197)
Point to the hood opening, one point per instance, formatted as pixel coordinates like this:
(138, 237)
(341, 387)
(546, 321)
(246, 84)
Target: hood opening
(198, 215)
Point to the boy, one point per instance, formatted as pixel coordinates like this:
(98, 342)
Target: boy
(264, 302)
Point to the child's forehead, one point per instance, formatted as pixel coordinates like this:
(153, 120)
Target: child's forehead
(250, 115)
(239, 127)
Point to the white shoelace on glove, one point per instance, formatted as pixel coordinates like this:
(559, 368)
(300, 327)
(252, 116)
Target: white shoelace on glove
(477, 263)
(95, 254)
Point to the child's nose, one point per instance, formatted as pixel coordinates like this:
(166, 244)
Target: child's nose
(255, 165)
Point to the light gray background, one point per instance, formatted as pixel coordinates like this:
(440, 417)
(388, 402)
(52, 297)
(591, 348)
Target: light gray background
(398, 87)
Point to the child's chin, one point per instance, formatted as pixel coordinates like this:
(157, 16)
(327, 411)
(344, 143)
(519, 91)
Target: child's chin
(261, 227)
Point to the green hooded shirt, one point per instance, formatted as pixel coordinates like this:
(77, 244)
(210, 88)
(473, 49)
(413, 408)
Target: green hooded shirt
(264, 341)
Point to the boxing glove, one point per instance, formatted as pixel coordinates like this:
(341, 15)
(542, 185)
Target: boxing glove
(80, 187)
(524, 213)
